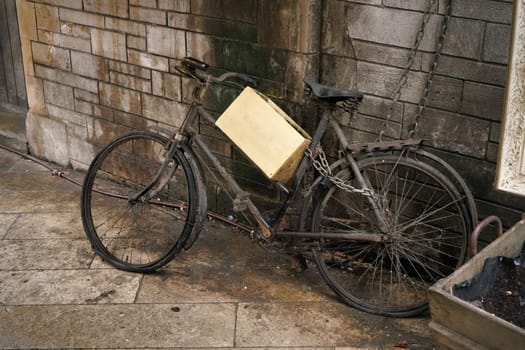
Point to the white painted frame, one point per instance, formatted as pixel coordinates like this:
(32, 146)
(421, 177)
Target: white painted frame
(511, 160)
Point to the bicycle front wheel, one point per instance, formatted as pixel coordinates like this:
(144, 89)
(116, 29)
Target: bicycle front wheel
(428, 226)
(133, 232)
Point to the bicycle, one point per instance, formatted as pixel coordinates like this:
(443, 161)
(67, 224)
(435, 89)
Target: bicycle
(382, 222)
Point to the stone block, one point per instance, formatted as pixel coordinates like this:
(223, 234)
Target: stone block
(381, 81)
(109, 44)
(298, 67)
(136, 42)
(122, 25)
(163, 110)
(47, 17)
(495, 130)
(89, 66)
(26, 19)
(64, 41)
(144, 3)
(447, 131)
(175, 5)
(130, 120)
(445, 93)
(80, 17)
(120, 98)
(94, 110)
(101, 132)
(147, 15)
(74, 4)
(336, 39)
(485, 10)
(376, 53)
(59, 95)
(130, 69)
(51, 56)
(67, 116)
(113, 8)
(130, 82)
(380, 108)
(47, 138)
(27, 56)
(148, 60)
(166, 41)
(167, 85)
(497, 43)
(289, 24)
(339, 71)
(463, 38)
(76, 30)
(469, 70)
(414, 5)
(238, 56)
(214, 26)
(35, 95)
(87, 96)
(66, 78)
(492, 152)
(243, 11)
(482, 100)
(382, 25)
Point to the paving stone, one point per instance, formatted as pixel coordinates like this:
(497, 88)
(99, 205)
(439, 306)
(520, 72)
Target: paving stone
(120, 326)
(6, 222)
(68, 287)
(319, 324)
(48, 226)
(226, 266)
(41, 179)
(25, 202)
(49, 254)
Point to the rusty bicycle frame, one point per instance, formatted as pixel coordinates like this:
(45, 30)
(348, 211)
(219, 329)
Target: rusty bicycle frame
(269, 228)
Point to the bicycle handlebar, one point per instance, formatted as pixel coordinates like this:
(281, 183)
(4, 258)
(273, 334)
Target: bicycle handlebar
(198, 69)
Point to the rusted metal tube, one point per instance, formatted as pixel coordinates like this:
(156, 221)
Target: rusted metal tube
(480, 227)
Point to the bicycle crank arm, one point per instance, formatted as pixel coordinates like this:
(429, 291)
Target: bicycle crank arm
(343, 235)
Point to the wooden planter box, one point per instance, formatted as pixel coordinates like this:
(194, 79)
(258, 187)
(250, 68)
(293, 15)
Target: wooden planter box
(458, 325)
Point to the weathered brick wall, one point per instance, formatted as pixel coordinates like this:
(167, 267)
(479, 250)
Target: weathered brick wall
(98, 68)
(366, 44)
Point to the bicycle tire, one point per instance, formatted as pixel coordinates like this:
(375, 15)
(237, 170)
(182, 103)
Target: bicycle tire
(138, 235)
(429, 222)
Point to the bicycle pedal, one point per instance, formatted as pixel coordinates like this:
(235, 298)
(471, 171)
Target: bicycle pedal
(240, 202)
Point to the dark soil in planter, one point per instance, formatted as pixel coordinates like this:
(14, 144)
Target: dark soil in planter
(499, 289)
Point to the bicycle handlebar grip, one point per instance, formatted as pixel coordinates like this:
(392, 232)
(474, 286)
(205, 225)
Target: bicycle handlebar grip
(194, 63)
(249, 81)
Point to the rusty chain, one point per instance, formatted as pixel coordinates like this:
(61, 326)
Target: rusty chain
(396, 95)
(323, 167)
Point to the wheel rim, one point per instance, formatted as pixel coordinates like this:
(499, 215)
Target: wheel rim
(428, 234)
(137, 234)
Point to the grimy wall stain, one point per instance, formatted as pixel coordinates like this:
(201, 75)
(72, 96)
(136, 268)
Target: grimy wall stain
(95, 71)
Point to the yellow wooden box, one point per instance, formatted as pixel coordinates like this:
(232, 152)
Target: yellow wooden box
(265, 133)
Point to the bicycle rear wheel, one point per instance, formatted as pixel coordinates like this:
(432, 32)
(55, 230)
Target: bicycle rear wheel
(136, 234)
(428, 226)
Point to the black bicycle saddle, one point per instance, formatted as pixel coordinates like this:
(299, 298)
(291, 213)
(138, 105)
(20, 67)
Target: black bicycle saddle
(330, 93)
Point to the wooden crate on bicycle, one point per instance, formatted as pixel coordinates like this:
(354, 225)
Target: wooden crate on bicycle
(272, 140)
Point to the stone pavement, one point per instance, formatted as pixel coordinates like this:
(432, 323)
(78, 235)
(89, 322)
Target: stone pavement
(226, 292)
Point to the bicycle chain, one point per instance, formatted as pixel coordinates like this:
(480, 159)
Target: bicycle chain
(396, 95)
(323, 167)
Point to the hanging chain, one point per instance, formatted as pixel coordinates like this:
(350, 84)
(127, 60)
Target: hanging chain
(321, 164)
(410, 62)
(430, 76)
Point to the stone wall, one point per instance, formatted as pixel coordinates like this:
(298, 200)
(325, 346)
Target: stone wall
(96, 69)
(366, 44)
